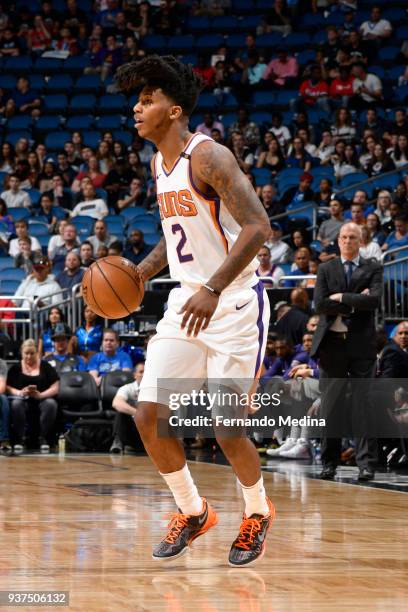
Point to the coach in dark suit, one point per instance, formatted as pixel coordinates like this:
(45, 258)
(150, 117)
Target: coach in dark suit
(347, 293)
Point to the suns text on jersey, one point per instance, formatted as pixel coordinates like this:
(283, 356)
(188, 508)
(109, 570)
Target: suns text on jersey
(176, 204)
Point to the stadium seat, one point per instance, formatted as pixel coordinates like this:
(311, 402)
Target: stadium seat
(59, 83)
(402, 33)
(48, 66)
(48, 123)
(263, 99)
(78, 394)
(394, 73)
(123, 136)
(262, 176)
(9, 287)
(91, 138)
(269, 41)
(7, 81)
(6, 262)
(261, 118)
(88, 83)
(15, 274)
(128, 214)
(144, 225)
(198, 24)
(108, 122)
(111, 382)
(386, 182)
(181, 42)
(225, 24)
(283, 98)
(38, 229)
(229, 102)
(236, 41)
(21, 122)
(209, 42)
(13, 137)
(82, 103)
(55, 103)
(352, 179)
(18, 65)
(76, 64)
(297, 40)
(207, 101)
(154, 42)
(82, 222)
(388, 55)
(54, 141)
(43, 240)
(18, 213)
(401, 94)
(152, 238)
(80, 122)
(111, 103)
(308, 55)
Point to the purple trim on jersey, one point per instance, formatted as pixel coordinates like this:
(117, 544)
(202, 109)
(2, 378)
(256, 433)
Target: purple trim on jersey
(217, 214)
(259, 290)
(180, 156)
(201, 193)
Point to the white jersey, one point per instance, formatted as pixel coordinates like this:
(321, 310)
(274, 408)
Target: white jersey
(199, 230)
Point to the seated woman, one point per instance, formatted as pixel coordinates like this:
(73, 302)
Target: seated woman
(267, 268)
(272, 158)
(87, 339)
(45, 344)
(33, 386)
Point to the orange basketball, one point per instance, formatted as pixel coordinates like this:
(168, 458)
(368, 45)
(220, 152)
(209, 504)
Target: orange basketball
(112, 287)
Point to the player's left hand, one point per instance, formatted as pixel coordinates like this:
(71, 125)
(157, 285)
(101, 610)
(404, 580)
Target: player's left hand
(198, 311)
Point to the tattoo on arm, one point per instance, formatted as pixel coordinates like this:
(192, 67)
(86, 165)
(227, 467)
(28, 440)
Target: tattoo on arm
(215, 165)
(155, 261)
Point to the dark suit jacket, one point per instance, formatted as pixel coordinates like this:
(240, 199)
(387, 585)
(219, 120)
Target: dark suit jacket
(393, 362)
(359, 309)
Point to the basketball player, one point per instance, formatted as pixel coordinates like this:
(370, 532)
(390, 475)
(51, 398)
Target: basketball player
(217, 321)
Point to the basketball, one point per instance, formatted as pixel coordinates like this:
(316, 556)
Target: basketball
(112, 287)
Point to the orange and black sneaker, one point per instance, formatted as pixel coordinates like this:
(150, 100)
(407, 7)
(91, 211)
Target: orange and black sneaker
(249, 546)
(182, 530)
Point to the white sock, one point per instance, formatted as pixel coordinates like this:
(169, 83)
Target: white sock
(184, 491)
(255, 499)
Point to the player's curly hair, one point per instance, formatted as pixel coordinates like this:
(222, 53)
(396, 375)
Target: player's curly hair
(178, 81)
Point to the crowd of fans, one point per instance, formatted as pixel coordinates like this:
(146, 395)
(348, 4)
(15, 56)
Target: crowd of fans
(338, 117)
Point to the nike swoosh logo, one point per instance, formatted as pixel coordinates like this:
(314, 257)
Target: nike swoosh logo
(243, 306)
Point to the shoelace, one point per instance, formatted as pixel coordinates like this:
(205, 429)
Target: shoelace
(249, 528)
(177, 522)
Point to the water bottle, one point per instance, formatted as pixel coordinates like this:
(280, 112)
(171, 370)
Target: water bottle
(61, 445)
(131, 327)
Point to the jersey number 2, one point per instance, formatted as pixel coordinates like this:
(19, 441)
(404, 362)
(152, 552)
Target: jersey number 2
(182, 243)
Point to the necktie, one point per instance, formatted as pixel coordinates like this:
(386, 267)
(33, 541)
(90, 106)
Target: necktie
(349, 272)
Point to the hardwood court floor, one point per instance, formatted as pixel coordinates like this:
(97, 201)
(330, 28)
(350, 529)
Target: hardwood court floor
(86, 524)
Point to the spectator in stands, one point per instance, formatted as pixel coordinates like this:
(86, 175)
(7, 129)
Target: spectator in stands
(324, 195)
(313, 92)
(376, 29)
(278, 18)
(10, 44)
(281, 70)
(21, 227)
(249, 129)
(280, 251)
(273, 158)
(241, 152)
(280, 131)
(87, 338)
(399, 126)
(60, 359)
(110, 358)
(269, 200)
(302, 193)
(392, 357)
(7, 157)
(267, 268)
(399, 237)
(298, 157)
(343, 128)
(86, 254)
(205, 71)
(93, 172)
(302, 259)
(137, 249)
(47, 210)
(347, 162)
(117, 180)
(70, 244)
(125, 402)
(383, 206)
(299, 238)
(57, 194)
(115, 248)
(133, 196)
(292, 325)
(102, 251)
(24, 258)
(39, 38)
(45, 342)
(399, 155)
(210, 124)
(380, 162)
(105, 157)
(357, 213)
(100, 236)
(329, 230)
(46, 177)
(367, 87)
(73, 272)
(33, 169)
(5, 448)
(286, 356)
(395, 211)
(373, 125)
(356, 48)
(33, 385)
(326, 148)
(40, 284)
(15, 197)
(26, 99)
(374, 225)
(58, 239)
(22, 148)
(91, 205)
(304, 134)
(5, 217)
(369, 249)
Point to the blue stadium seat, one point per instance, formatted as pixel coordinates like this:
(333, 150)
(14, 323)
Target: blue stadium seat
(154, 42)
(13, 137)
(82, 103)
(91, 138)
(128, 214)
(55, 103)
(108, 122)
(228, 119)
(35, 195)
(263, 99)
(394, 73)
(58, 212)
(152, 239)
(9, 287)
(15, 274)
(198, 24)
(312, 21)
(80, 122)
(207, 101)
(181, 42)
(54, 141)
(272, 40)
(309, 55)
(262, 176)
(189, 58)
(307, 213)
(76, 64)
(402, 33)
(144, 225)
(386, 182)
(401, 94)
(395, 15)
(236, 41)
(59, 83)
(7, 81)
(115, 227)
(43, 240)
(323, 172)
(251, 22)
(261, 118)
(48, 123)
(111, 104)
(388, 55)
(297, 40)
(335, 19)
(81, 221)
(123, 136)
(283, 98)
(229, 102)
(352, 179)
(319, 38)
(240, 7)
(101, 193)
(225, 24)
(209, 42)
(6, 262)
(88, 83)
(21, 122)
(19, 65)
(18, 213)
(48, 66)
(37, 82)
(316, 245)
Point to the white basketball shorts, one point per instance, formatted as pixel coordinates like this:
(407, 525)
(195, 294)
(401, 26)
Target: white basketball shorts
(232, 346)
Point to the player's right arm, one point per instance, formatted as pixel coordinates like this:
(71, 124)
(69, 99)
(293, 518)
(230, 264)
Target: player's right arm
(157, 258)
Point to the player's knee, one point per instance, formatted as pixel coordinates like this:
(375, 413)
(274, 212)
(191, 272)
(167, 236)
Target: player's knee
(146, 418)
